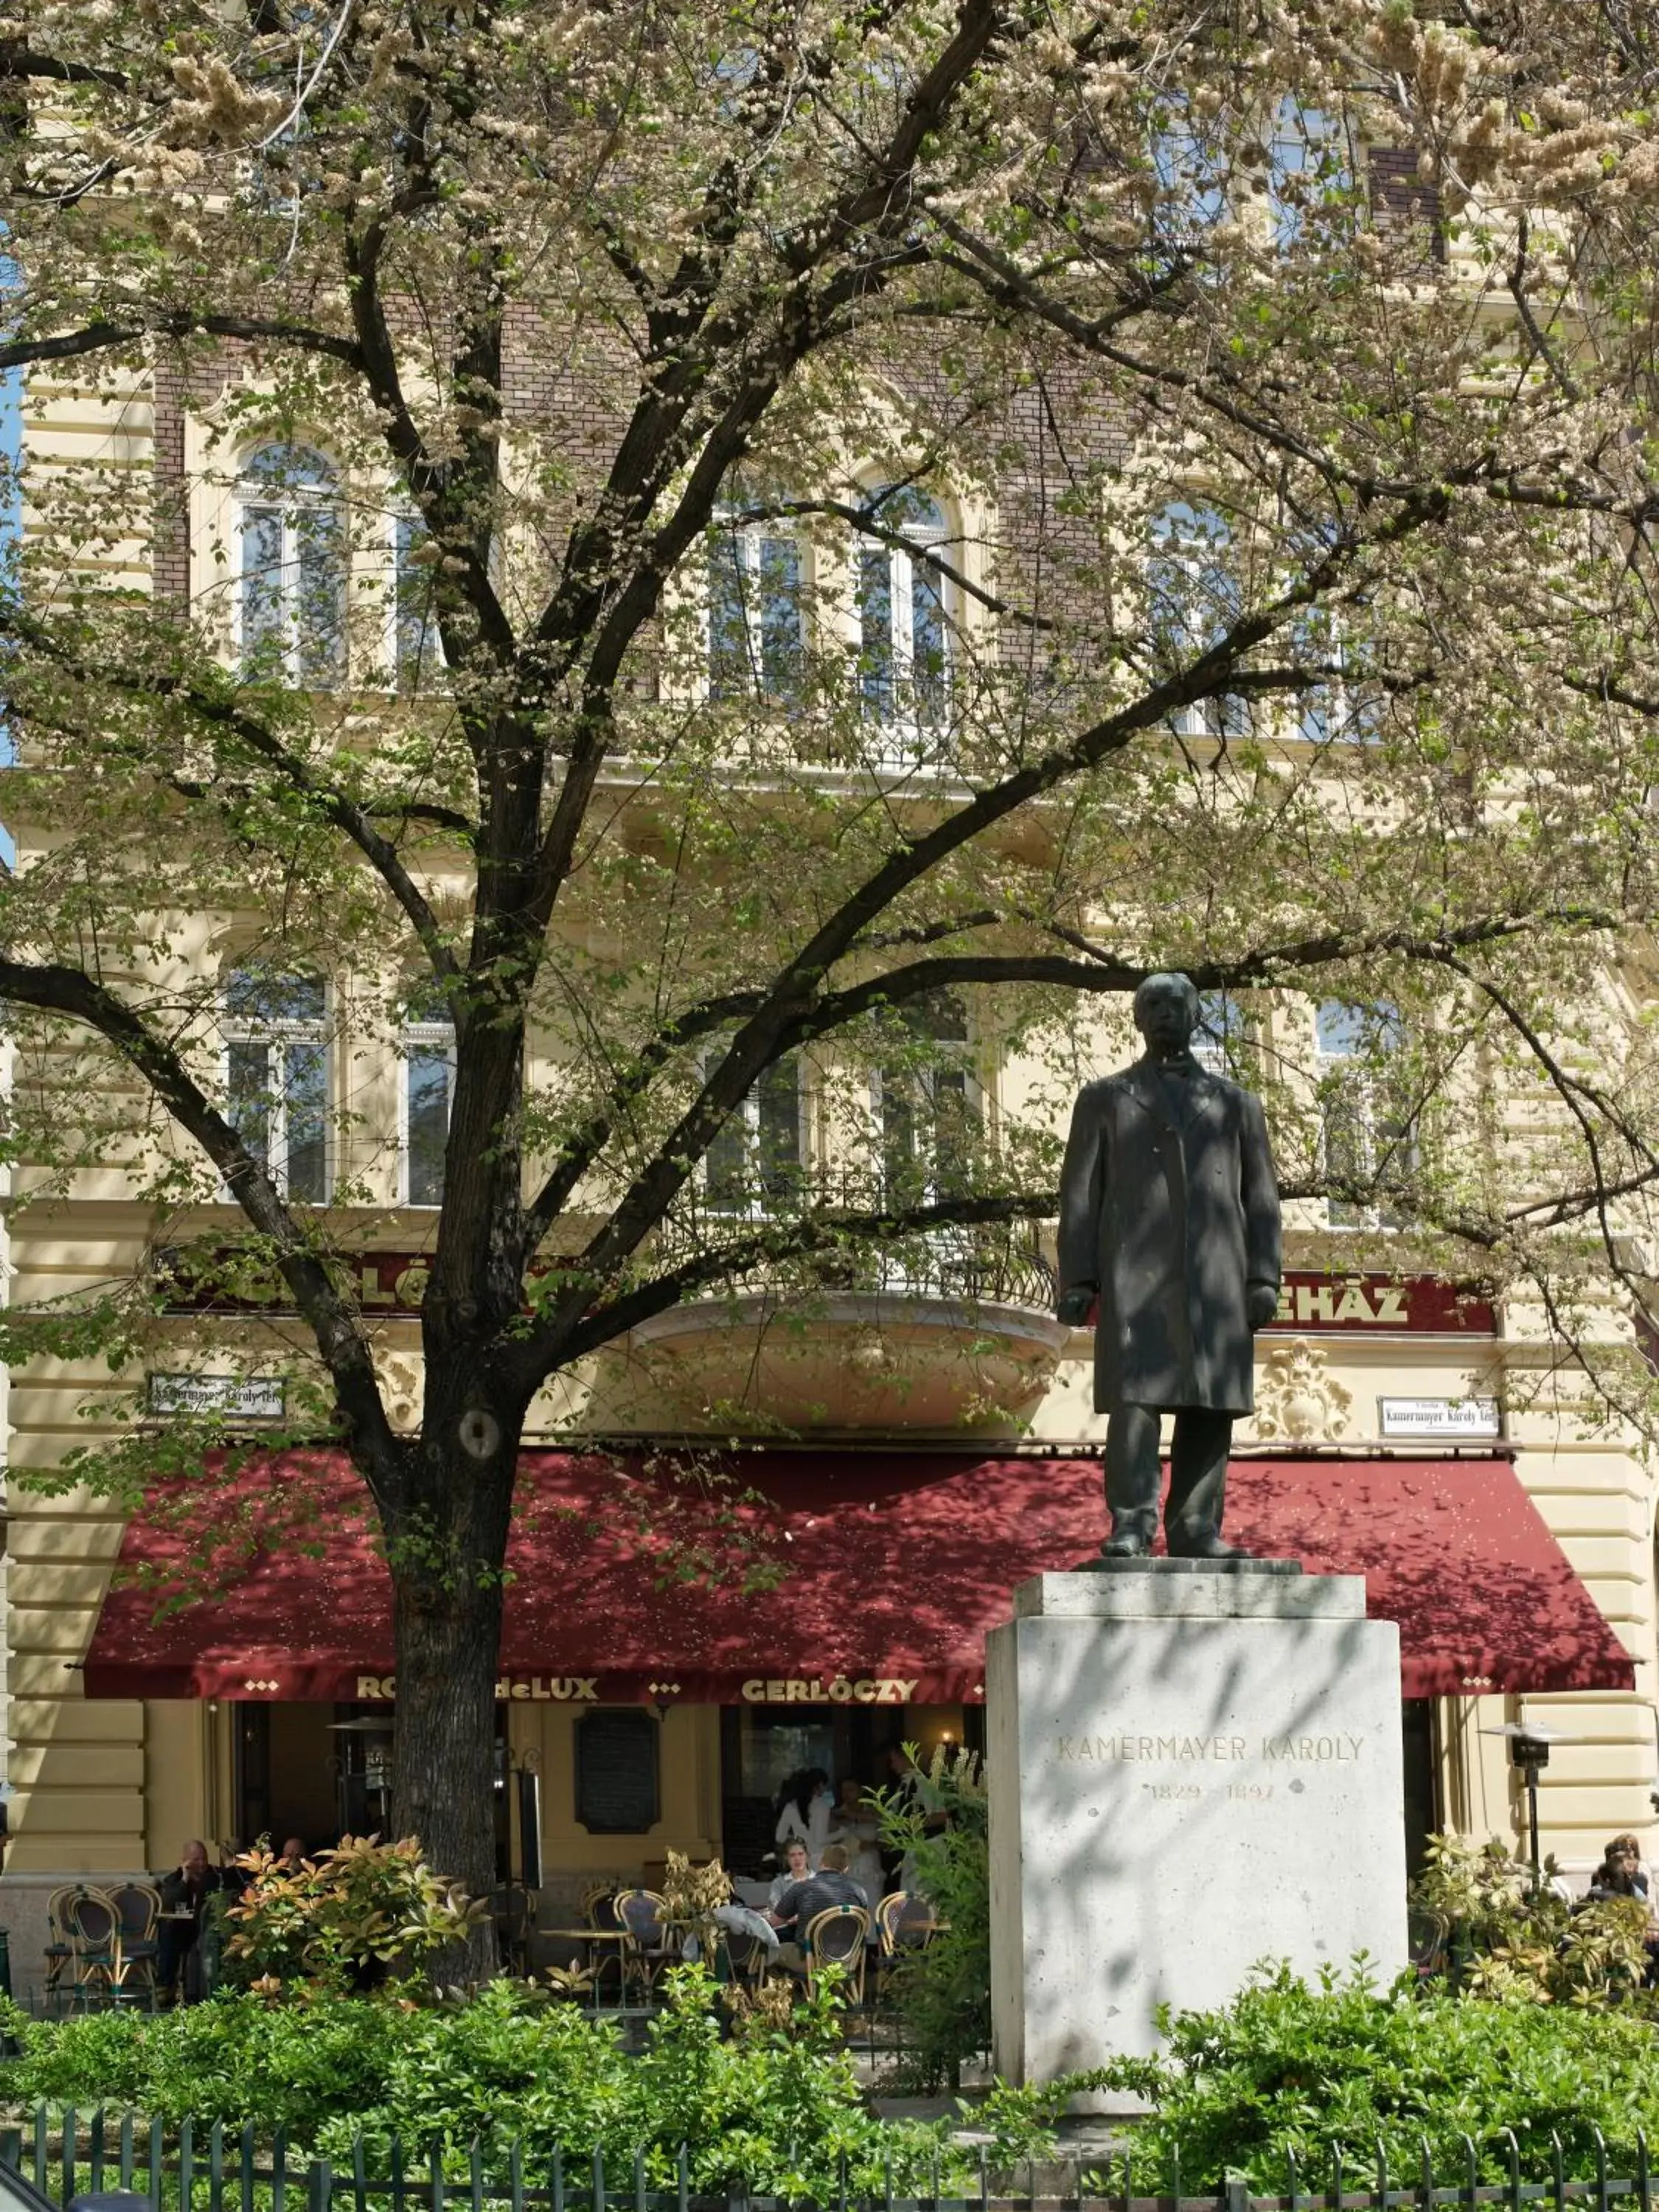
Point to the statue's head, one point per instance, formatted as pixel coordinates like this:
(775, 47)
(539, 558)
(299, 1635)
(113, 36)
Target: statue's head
(1166, 1011)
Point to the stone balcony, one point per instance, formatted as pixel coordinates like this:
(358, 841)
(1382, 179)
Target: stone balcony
(955, 1335)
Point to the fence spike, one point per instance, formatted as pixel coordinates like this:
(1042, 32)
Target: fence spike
(155, 2164)
(187, 2163)
(639, 2177)
(247, 2162)
(69, 2152)
(1514, 2169)
(359, 2171)
(1601, 2168)
(598, 2179)
(1558, 2170)
(984, 2177)
(397, 2175)
(215, 2169)
(1642, 2187)
(435, 2174)
(515, 2173)
(475, 2174)
(123, 2151)
(1175, 2174)
(1128, 2179)
(1471, 2170)
(96, 2128)
(278, 2169)
(39, 2146)
(1290, 2176)
(320, 2187)
(1336, 2176)
(558, 2177)
(1426, 2186)
(683, 2178)
(1382, 2173)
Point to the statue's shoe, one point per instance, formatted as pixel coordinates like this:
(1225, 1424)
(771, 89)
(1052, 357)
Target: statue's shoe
(1130, 1544)
(1206, 1547)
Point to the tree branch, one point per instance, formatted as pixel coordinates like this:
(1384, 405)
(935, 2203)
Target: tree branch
(74, 996)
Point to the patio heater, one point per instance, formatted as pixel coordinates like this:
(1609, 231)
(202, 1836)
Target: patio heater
(1529, 1753)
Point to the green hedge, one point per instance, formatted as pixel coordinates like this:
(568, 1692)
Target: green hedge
(773, 2106)
(1379, 2072)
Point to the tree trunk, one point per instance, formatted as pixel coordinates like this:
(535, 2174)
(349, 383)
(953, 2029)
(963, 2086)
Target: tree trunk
(446, 1560)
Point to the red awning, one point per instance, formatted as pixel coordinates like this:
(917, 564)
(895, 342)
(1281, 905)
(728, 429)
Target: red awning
(631, 1581)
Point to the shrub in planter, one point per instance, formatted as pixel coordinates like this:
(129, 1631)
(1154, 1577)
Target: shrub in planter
(344, 1918)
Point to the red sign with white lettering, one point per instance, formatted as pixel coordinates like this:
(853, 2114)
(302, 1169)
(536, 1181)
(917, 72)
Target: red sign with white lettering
(1375, 1304)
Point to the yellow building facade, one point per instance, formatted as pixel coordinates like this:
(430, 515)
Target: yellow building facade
(1354, 1373)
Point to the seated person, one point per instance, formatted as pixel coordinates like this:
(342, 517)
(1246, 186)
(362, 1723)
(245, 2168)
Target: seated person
(291, 1859)
(185, 1892)
(800, 1904)
(1619, 1873)
(796, 1867)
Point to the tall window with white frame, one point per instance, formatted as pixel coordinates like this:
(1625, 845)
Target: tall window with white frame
(926, 1105)
(417, 655)
(291, 615)
(275, 1046)
(1366, 1137)
(758, 1163)
(756, 611)
(906, 616)
(428, 1070)
(1219, 1042)
(1192, 600)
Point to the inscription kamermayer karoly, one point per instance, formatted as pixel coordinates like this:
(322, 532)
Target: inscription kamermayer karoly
(1303, 1750)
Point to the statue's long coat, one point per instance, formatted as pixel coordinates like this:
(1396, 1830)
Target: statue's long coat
(1169, 1222)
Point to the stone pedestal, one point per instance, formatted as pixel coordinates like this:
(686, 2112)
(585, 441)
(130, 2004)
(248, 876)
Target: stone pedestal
(1189, 1773)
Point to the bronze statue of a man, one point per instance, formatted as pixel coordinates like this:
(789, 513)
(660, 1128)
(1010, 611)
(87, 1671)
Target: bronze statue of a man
(1169, 1212)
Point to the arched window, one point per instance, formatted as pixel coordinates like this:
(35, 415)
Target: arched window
(428, 1095)
(905, 617)
(292, 609)
(277, 1074)
(1192, 600)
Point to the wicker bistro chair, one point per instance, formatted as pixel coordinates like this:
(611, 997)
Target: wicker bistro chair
(60, 1952)
(95, 1934)
(904, 1921)
(137, 1907)
(836, 1938)
(647, 1953)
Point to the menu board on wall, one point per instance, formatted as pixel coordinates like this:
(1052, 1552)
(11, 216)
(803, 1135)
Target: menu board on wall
(617, 1779)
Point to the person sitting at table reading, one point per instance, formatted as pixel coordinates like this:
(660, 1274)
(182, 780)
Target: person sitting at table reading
(796, 1867)
(183, 1894)
(800, 1904)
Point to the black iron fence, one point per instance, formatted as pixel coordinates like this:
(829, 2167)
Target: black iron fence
(213, 2167)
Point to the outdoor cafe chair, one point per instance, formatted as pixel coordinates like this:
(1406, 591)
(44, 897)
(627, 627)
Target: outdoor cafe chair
(60, 1952)
(904, 1922)
(648, 1952)
(836, 1938)
(137, 1908)
(95, 1934)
